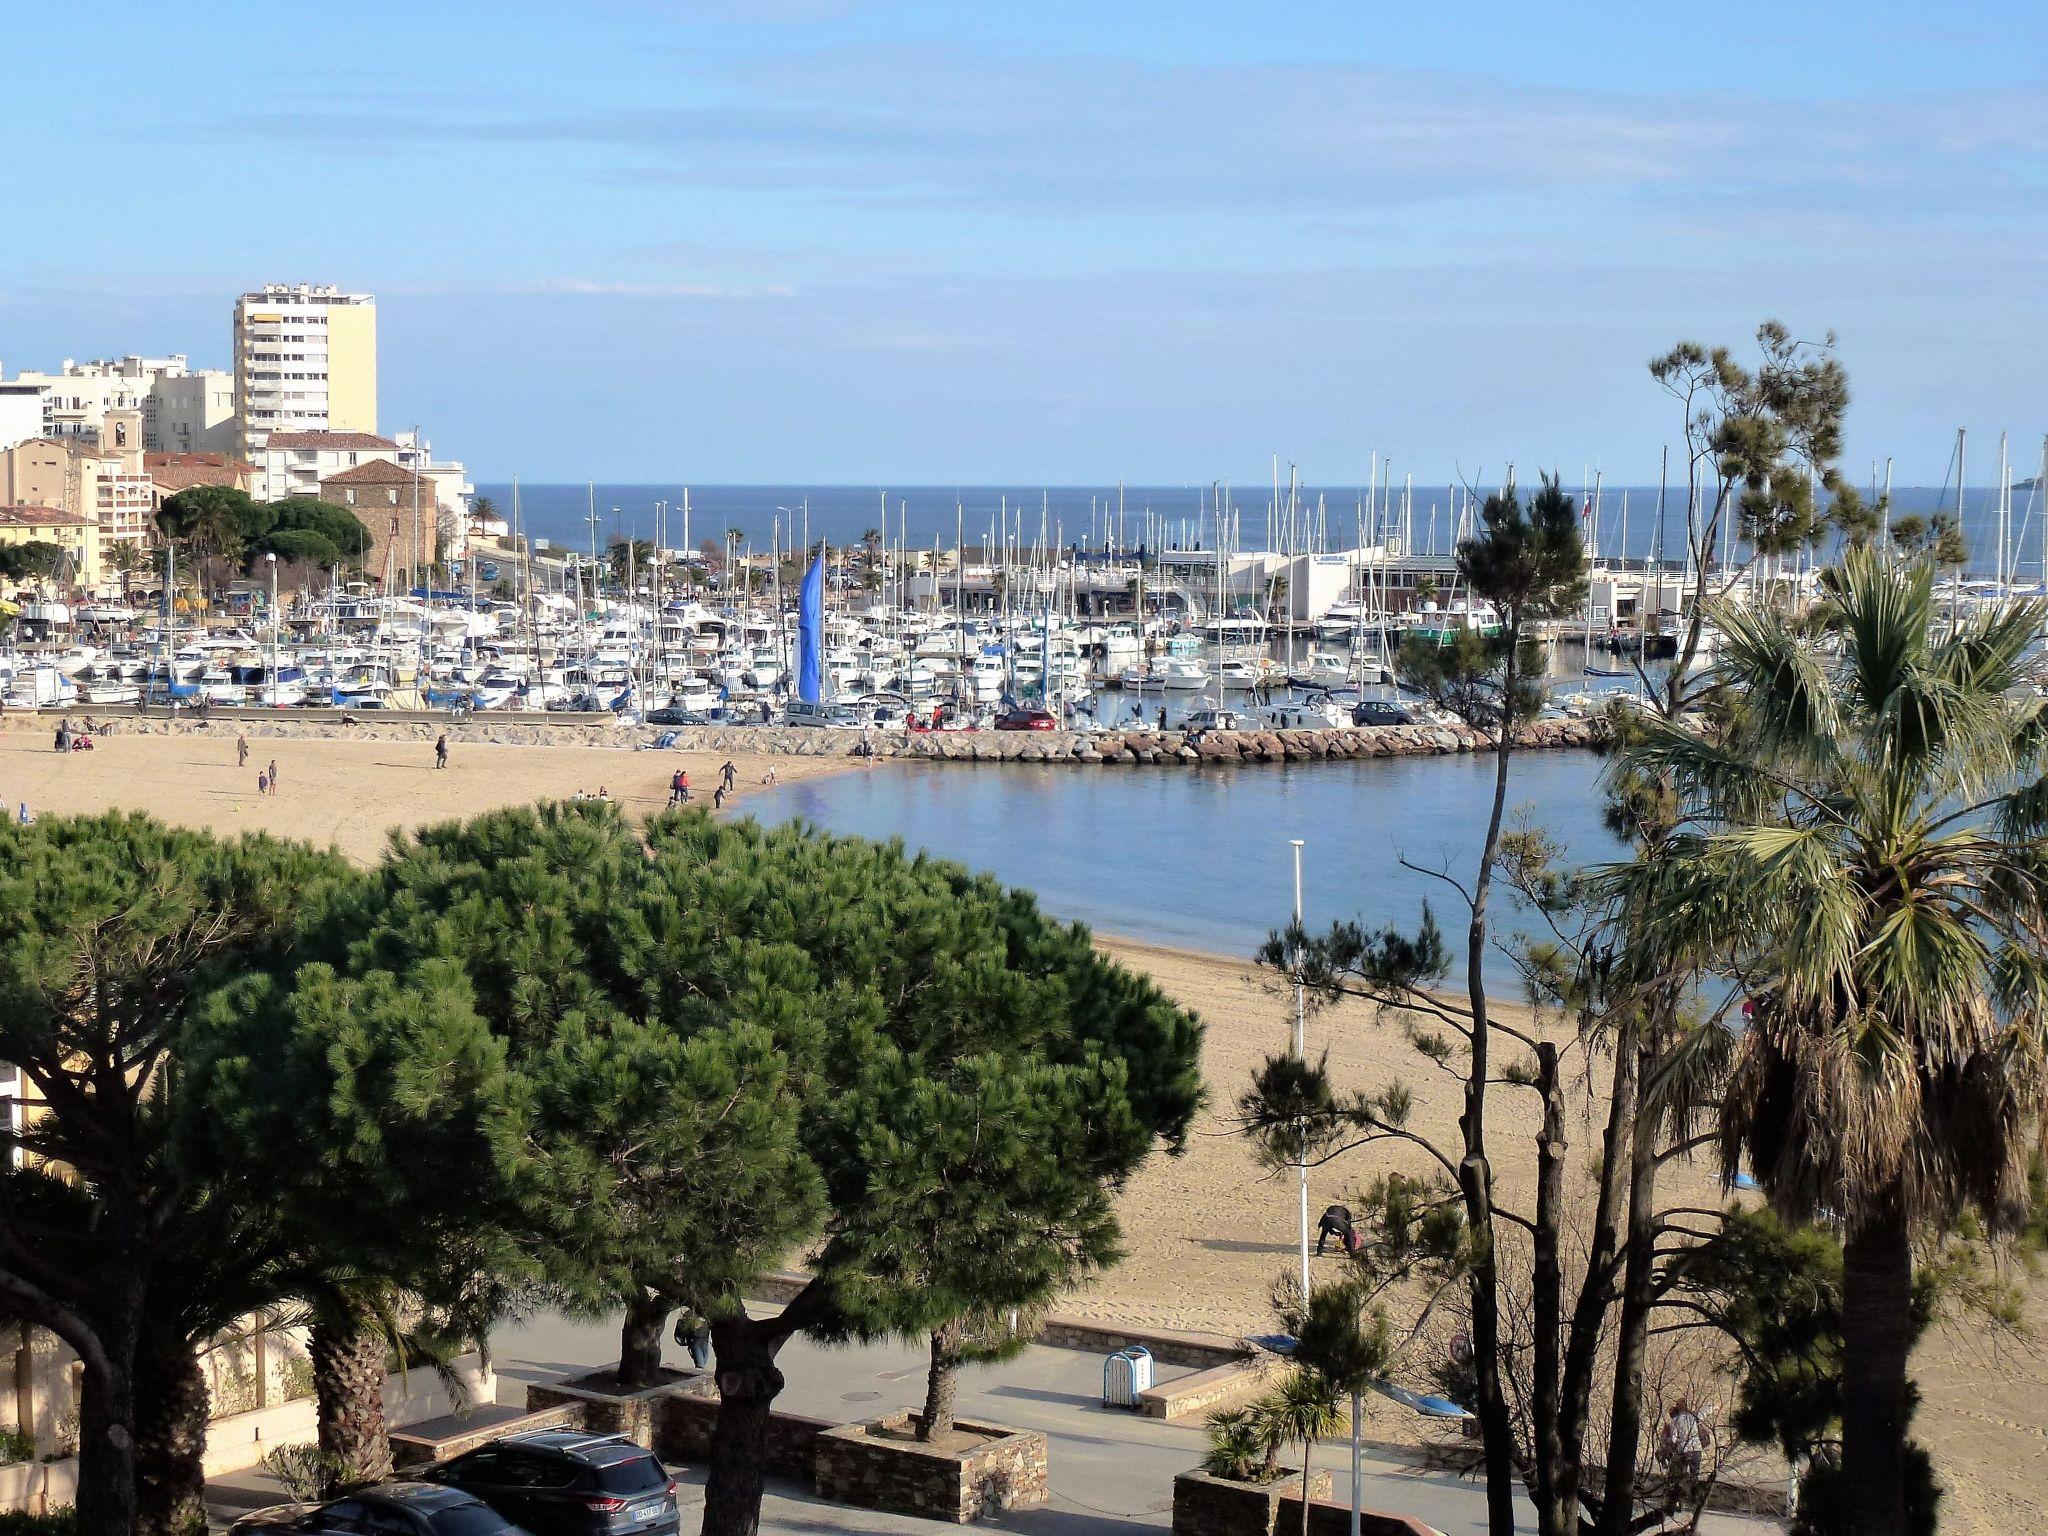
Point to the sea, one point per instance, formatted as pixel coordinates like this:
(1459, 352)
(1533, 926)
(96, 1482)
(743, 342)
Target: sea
(1201, 858)
(1181, 517)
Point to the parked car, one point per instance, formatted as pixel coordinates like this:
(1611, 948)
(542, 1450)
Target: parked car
(1380, 712)
(1214, 720)
(673, 714)
(837, 717)
(389, 1509)
(565, 1482)
(1026, 720)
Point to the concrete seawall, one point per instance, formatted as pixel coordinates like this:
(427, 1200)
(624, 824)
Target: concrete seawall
(1112, 747)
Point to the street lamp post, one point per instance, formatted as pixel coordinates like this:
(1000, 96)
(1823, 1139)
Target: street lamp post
(1301, 1054)
(270, 559)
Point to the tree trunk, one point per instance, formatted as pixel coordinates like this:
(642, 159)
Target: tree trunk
(1547, 1304)
(640, 1339)
(1308, 1449)
(1631, 1342)
(942, 1383)
(170, 1437)
(1877, 1335)
(1475, 1173)
(1582, 1344)
(349, 1366)
(748, 1382)
(106, 1452)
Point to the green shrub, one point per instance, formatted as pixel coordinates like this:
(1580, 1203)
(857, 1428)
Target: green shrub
(296, 1378)
(1241, 1446)
(60, 1521)
(17, 1445)
(310, 1474)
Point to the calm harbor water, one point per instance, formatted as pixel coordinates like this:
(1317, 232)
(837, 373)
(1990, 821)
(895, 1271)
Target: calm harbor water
(1199, 857)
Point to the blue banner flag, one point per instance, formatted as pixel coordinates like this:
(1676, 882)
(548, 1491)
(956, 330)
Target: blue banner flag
(810, 631)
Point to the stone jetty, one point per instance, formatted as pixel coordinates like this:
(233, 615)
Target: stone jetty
(1127, 747)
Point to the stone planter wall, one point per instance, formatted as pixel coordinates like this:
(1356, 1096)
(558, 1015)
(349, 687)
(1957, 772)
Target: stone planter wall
(686, 1416)
(606, 1410)
(1216, 1506)
(1006, 1471)
(1328, 1517)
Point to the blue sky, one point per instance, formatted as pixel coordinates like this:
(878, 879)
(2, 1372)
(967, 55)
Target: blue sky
(816, 240)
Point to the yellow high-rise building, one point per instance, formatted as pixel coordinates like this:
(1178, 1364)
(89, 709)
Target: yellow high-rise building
(305, 361)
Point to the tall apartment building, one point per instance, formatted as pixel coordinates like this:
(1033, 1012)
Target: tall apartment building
(305, 361)
(181, 409)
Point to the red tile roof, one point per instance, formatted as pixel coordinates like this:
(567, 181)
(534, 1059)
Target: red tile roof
(39, 517)
(176, 471)
(343, 440)
(376, 472)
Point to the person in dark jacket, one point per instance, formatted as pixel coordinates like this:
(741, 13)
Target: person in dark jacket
(1335, 1222)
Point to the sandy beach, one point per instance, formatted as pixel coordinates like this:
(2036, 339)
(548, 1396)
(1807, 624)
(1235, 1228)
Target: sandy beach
(1207, 1233)
(348, 794)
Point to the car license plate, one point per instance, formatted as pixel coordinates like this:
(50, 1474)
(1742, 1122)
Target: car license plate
(653, 1509)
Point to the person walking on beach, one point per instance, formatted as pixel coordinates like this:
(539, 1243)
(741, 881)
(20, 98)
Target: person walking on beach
(273, 775)
(675, 789)
(241, 750)
(718, 797)
(730, 774)
(262, 782)
(63, 735)
(683, 784)
(441, 750)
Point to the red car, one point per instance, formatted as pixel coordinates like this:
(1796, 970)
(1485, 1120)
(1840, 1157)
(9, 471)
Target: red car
(1027, 720)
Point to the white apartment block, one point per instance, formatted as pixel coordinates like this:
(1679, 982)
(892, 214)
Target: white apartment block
(21, 412)
(294, 463)
(448, 477)
(182, 409)
(190, 412)
(305, 361)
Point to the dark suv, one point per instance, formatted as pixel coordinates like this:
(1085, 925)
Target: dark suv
(564, 1482)
(390, 1509)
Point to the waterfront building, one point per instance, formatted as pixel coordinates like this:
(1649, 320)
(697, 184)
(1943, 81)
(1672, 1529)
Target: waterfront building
(110, 486)
(407, 527)
(295, 463)
(449, 477)
(305, 361)
(77, 536)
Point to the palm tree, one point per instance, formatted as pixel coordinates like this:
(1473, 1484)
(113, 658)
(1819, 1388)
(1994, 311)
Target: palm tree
(1303, 1407)
(1869, 845)
(1343, 1337)
(124, 559)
